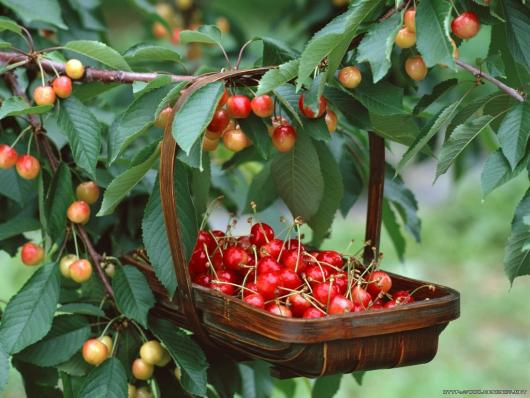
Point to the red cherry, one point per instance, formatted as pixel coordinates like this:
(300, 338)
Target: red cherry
(341, 281)
(235, 257)
(260, 234)
(377, 305)
(360, 296)
(229, 276)
(308, 112)
(390, 304)
(198, 262)
(78, 212)
(27, 167)
(267, 284)
(466, 25)
(223, 99)
(273, 248)
(284, 137)
(238, 106)
(262, 106)
(217, 260)
(378, 282)
(324, 292)
(81, 270)
(292, 261)
(205, 238)
(403, 297)
(255, 299)
(298, 304)
(219, 122)
(331, 120)
(244, 242)
(8, 156)
(175, 35)
(331, 260)
(44, 95)
(340, 305)
(312, 312)
(202, 279)
(290, 279)
(268, 264)
(62, 86)
(31, 254)
(280, 310)
(250, 288)
(314, 273)
(358, 308)
(295, 244)
(222, 287)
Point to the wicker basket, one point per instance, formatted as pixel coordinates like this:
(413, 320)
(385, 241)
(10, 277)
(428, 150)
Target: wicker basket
(404, 335)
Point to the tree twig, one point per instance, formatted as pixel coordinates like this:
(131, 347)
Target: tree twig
(483, 75)
(43, 141)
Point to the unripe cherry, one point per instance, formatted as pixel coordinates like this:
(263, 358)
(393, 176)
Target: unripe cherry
(350, 77)
(409, 19)
(65, 263)
(308, 112)
(163, 118)
(405, 38)
(184, 4)
(87, 192)
(284, 138)
(141, 369)
(81, 271)
(159, 30)
(62, 86)
(151, 352)
(223, 24)
(331, 121)
(166, 358)
(28, 167)
(210, 144)
(31, 254)
(235, 140)
(8, 156)
(44, 95)
(131, 391)
(78, 212)
(74, 69)
(466, 25)
(144, 392)
(107, 341)
(262, 106)
(416, 68)
(94, 352)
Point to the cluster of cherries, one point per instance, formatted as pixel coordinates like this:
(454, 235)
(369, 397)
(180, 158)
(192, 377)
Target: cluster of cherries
(465, 26)
(232, 108)
(286, 279)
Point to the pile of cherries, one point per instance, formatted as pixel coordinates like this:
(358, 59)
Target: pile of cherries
(286, 279)
(231, 108)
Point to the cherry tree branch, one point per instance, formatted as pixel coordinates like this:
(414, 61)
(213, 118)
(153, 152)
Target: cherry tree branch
(44, 142)
(483, 75)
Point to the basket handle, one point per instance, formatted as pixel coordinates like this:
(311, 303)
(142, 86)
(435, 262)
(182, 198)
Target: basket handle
(169, 208)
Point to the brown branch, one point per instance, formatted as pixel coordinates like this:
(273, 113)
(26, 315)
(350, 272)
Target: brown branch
(43, 141)
(91, 74)
(483, 75)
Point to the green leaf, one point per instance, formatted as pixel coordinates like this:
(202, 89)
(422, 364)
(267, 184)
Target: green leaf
(321, 222)
(316, 129)
(380, 36)
(206, 34)
(438, 90)
(404, 202)
(122, 185)
(341, 29)
(349, 107)
(66, 337)
(256, 381)
(184, 351)
(47, 11)
(133, 294)
(4, 367)
(497, 171)
(382, 98)
(274, 78)
(83, 132)
(326, 386)
(200, 184)
(60, 196)
(127, 349)
(460, 138)
(256, 130)
(358, 376)
(514, 132)
(432, 26)
(298, 179)
(353, 176)
(107, 380)
(392, 227)
(9, 24)
(76, 365)
(399, 128)
(518, 31)
(288, 98)
(276, 52)
(16, 106)
(134, 122)
(29, 314)
(99, 52)
(517, 261)
(144, 52)
(17, 225)
(82, 308)
(195, 114)
(263, 198)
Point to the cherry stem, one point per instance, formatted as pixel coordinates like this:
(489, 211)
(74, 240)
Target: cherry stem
(454, 7)
(139, 329)
(210, 261)
(75, 241)
(211, 207)
(28, 38)
(20, 136)
(241, 51)
(115, 343)
(42, 74)
(431, 288)
(109, 324)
